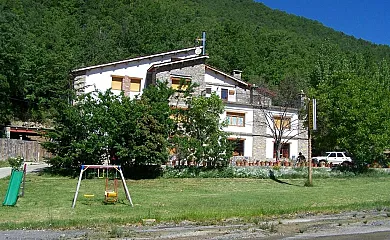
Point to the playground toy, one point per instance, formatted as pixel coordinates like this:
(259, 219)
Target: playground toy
(15, 186)
(111, 195)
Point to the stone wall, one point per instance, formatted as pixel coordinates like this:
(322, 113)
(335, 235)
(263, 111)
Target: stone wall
(259, 135)
(303, 142)
(126, 81)
(79, 84)
(242, 95)
(195, 73)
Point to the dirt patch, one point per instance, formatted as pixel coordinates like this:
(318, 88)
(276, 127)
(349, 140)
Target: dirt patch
(346, 225)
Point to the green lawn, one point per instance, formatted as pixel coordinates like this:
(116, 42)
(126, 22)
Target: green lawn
(4, 163)
(48, 200)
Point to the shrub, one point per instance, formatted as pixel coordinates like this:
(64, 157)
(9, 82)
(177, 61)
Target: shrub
(263, 172)
(16, 163)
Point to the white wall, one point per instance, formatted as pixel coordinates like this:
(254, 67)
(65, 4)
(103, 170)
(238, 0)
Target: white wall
(269, 148)
(100, 78)
(294, 123)
(248, 126)
(217, 81)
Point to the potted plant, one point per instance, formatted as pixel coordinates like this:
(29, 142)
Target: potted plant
(262, 163)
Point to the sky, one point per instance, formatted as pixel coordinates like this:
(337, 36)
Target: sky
(365, 19)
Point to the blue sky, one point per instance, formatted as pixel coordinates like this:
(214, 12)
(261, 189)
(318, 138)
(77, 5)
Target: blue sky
(369, 20)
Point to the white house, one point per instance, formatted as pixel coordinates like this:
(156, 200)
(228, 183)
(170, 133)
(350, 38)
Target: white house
(246, 119)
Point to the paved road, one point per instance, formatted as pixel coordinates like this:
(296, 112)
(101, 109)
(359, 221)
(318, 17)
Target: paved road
(31, 167)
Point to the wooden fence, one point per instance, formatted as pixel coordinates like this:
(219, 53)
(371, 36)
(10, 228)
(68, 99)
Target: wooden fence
(29, 150)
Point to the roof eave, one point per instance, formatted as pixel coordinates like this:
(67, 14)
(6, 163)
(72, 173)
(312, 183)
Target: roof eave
(227, 75)
(75, 71)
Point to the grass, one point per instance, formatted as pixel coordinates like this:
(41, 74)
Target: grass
(4, 163)
(48, 199)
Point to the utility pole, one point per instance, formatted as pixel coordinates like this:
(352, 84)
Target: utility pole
(312, 117)
(310, 169)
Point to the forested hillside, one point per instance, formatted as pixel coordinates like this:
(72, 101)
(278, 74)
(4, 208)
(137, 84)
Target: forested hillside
(42, 40)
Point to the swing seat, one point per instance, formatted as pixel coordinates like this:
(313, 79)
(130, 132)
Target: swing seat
(89, 195)
(111, 194)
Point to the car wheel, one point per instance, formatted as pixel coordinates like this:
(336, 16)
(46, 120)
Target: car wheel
(346, 163)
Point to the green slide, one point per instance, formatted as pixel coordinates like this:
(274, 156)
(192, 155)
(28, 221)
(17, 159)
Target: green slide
(13, 188)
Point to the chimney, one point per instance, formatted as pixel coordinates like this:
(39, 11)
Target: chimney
(237, 74)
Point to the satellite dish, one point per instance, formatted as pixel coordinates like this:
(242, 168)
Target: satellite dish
(198, 50)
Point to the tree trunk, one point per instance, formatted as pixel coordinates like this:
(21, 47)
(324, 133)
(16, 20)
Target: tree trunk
(278, 147)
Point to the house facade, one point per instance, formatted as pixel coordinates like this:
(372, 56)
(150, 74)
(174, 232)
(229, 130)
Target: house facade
(246, 116)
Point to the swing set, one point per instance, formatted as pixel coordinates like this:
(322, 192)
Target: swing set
(111, 192)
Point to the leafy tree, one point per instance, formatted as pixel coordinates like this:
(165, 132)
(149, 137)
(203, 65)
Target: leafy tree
(353, 110)
(103, 126)
(200, 137)
(41, 41)
(142, 135)
(81, 132)
(12, 46)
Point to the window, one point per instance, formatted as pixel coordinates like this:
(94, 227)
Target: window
(238, 146)
(135, 85)
(172, 151)
(231, 92)
(282, 122)
(178, 118)
(178, 114)
(116, 83)
(224, 94)
(208, 90)
(284, 150)
(236, 119)
(177, 81)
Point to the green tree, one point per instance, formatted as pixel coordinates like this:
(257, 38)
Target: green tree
(104, 126)
(12, 46)
(353, 111)
(201, 137)
(142, 135)
(81, 134)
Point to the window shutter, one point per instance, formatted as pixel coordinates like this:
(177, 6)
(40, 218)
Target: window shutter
(135, 85)
(116, 83)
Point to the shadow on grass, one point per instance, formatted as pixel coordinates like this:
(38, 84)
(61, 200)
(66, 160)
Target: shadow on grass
(272, 177)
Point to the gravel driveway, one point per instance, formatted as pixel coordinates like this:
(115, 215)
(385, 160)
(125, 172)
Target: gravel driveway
(31, 167)
(347, 225)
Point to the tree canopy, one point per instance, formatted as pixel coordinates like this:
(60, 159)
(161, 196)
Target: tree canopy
(42, 41)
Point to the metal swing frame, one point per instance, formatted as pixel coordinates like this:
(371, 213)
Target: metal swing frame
(116, 167)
